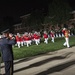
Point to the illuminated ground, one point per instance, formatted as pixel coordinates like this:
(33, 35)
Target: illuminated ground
(60, 62)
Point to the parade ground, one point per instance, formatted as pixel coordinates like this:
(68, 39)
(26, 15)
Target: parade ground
(61, 62)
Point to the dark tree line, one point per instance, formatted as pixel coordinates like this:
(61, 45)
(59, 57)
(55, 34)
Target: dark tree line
(57, 12)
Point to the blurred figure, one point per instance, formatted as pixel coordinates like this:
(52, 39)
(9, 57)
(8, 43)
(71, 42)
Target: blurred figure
(6, 51)
(66, 35)
(27, 39)
(36, 38)
(45, 35)
(18, 40)
(52, 36)
(21, 40)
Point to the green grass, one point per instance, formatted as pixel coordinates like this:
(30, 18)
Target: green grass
(34, 50)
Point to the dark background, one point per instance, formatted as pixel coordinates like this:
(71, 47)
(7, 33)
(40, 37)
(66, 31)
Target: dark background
(17, 8)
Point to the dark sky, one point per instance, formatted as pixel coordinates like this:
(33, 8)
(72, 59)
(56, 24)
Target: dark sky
(17, 8)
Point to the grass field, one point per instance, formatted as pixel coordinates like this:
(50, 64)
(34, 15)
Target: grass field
(34, 50)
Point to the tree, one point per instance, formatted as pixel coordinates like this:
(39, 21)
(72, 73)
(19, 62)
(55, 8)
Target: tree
(36, 18)
(7, 23)
(58, 12)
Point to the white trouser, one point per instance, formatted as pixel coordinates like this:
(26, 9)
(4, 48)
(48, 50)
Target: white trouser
(24, 42)
(46, 40)
(62, 35)
(59, 35)
(21, 43)
(18, 44)
(56, 35)
(66, 42)
(36, 41)
(52, 39)
(28, 43)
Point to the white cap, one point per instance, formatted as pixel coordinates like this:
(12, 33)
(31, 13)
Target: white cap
(64, 28)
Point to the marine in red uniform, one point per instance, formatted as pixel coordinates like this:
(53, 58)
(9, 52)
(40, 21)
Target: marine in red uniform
(45, 35)
(66, 35)
(27, 39)
(21, 40)
(52, 36)
(18, 40)
(36, 38)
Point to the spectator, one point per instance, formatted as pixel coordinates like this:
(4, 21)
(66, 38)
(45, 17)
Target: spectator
(6, 51)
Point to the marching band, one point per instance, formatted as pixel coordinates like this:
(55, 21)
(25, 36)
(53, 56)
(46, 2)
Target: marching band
(29, 38)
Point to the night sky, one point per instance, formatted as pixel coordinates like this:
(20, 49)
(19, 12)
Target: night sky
(17, 8)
